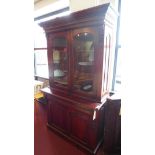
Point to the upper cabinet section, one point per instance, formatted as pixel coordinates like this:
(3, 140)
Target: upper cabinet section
(79, 56)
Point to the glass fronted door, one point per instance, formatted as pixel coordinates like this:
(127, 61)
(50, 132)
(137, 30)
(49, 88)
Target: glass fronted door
(83, 51)
(60, 60)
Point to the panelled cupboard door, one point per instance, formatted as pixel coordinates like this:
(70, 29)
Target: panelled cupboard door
(79, 123)
(84, 49)
(83, 128)
(59, 116)
(58, 59)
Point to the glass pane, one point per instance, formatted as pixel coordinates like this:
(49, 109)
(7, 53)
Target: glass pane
(84, 61)
(41, 64)
(60, 61)
(42, 70)
(41, 56)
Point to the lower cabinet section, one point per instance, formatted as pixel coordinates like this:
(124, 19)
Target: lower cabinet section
(81, 123)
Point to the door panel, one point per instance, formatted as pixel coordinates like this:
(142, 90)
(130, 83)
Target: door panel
(59, 116)
(84, 48)
(79, 123)
(59, 60)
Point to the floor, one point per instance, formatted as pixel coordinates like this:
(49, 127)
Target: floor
(47, 142)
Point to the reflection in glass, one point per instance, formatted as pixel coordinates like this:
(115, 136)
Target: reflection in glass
(84, 60)
(60, 62)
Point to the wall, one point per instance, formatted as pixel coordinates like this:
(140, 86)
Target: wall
(75, 5)
(42, 3)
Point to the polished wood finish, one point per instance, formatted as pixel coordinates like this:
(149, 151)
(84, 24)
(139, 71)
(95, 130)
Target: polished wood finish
(72, 111)
(112, 131)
